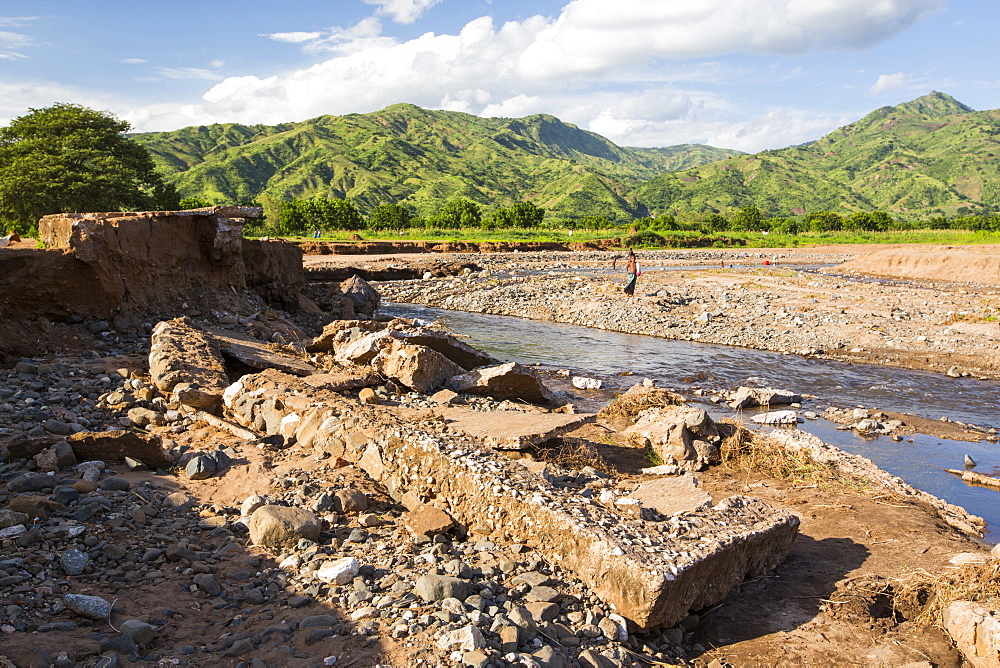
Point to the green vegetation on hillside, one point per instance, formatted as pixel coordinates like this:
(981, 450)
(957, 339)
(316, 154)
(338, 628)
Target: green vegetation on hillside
(418, 158)
(933, 156)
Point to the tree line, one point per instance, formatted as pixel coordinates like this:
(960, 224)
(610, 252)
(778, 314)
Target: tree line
(68, 158)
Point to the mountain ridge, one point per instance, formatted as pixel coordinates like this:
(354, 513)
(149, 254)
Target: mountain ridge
(929, 156)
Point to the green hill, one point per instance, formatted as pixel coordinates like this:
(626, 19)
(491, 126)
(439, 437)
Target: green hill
(419, 157)
(931, 156)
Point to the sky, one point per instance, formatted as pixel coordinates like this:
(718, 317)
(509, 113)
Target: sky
(743, 74)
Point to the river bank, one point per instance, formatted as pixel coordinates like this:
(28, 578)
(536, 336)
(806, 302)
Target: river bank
(795, 303)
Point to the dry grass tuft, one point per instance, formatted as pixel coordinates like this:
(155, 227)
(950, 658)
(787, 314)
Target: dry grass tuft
(743, 451)
(629, 405)
(573, 454)
(923, 596)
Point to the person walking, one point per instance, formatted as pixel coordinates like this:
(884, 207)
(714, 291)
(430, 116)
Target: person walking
(632, 270)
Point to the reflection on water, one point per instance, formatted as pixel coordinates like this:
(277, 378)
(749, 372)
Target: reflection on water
(922, 393)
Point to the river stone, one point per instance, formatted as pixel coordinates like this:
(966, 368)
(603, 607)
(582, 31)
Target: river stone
(207, 583)
(465, 639)
(73, 561)
(201, 467)
(91, 607)
(280, 526)
(317, 622)
(36, 657)
(115, 484)
(340, 571)
(32, 482)
(439, 587)
(10, 518)
(350, 501)
(138, 630)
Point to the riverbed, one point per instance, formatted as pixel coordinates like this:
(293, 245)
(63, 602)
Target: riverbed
(919, 459)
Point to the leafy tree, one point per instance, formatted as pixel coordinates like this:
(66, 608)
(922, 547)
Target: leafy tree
(389, 217)
(458, 213)
(299, 217)
(825, 221)
(194, 203)
(523, 215)
(747, 219)
(68, 158)
(786, 225)
(593, 223)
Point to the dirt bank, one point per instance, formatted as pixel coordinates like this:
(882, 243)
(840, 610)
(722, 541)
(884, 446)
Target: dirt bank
(977, 264)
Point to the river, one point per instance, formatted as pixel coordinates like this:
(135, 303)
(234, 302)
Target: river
(920, 462)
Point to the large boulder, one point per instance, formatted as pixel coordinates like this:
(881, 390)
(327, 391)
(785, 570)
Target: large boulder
(417, 367)
(504, 381)
(366, 298)
(282, 526)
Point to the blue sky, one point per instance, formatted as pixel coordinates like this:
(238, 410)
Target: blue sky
(745, 74)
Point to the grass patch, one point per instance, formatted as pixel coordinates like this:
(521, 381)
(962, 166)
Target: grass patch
(923, 596)
(627, 406)
(746, 452)
(573, 454)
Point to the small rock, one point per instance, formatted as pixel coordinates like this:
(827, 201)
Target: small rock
(91, 607)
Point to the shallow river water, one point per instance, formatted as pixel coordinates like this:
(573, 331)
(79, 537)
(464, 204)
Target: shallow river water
(919, 462)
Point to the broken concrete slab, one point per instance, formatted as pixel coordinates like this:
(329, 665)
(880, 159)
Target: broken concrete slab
(505, 381)
(338, 381)
(115, 446)
(417, 367)
(690, 561)
(256, 354)
(975, 628)
(180, 353)
(671, 495)
(749, 397)
(458, 351)
(512, 430)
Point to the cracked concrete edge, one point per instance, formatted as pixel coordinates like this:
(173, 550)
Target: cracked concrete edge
(649, 584)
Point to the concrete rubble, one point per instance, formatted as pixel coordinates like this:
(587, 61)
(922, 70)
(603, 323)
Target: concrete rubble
(476, 487)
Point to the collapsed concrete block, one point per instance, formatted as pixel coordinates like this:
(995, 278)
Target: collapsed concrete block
(180, 352)
(417, 367)
(678, 433)
(512, 430)
(505, 381)
(749, 397)
(690, 561)
(340, 331)
(975, 628)
(366, 298)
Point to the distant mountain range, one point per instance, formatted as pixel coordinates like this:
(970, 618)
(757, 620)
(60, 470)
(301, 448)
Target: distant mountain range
(931, 156)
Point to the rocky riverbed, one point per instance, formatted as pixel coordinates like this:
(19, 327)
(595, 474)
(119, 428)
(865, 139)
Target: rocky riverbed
(946, 327)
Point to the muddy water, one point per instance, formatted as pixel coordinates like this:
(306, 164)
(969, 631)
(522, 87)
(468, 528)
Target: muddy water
(919, 462)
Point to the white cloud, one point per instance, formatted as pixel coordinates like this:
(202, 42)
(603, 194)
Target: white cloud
(11, 45)
(134, 61)
(217, 63)
(16, 21)
(187, 73)
(575, 66)
(294, 37)
(403, 11)
(16, 98)
(893, 82)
